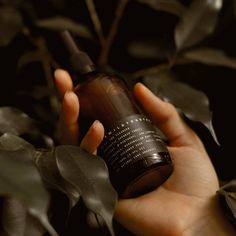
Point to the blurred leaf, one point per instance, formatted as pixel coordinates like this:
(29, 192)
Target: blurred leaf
(150, 49)
(210, 56)
(61, 23)
(17, 222)
(193, 103)
(10, 24)
(197, 22)
(47, 166)
(170, 6)
(15, 121)
(30, 57)
(89, 174)
(20, 179)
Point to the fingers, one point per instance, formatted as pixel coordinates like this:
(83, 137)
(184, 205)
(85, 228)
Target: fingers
(93, 138)
(63, 82)
(165, 116)
(68, 126)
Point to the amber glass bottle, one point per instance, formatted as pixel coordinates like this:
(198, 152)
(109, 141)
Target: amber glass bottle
(137, 158)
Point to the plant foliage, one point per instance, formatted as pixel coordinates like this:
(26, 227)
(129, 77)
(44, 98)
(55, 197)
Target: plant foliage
(175, 48)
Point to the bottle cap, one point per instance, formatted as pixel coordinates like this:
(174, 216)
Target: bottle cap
(80, 60)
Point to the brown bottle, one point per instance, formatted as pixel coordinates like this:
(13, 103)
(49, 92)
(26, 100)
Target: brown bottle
(137, 158)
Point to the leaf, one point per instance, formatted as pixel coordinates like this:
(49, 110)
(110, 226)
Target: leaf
(227, 195)
(10, 24)
(170, 6)
(17, 222)
(149, 49)
(210, 56)
(193, 103)
(20, 179)
(11, 142)
(47, 166)
(30, 57)
(89, 174)
(15, 121)
(18, 123)
(59, 23)
(197, 22)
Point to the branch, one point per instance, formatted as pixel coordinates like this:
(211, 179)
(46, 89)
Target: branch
(113, 30)
(96, 21)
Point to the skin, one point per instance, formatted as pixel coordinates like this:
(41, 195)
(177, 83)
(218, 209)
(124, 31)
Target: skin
(186, 204)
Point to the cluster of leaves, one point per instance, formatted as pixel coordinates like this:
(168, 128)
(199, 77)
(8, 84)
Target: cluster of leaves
(64, 168)
(67, 168)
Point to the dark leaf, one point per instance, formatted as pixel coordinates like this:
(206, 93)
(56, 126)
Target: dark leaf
(20, 179)
(150, 49)
(18, 123)
(197, 22)
(47, 166)
(193, 103)
(170, 6)
(210, 56)
(11, 142)
(17, 222)
(61, 23)
(30, 57)
(89, 174)
(10, 24)
(15, 121)
(228, 196)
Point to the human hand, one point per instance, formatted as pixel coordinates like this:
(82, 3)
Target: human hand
(186, 203)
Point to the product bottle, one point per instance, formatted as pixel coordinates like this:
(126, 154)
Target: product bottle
(137, 159)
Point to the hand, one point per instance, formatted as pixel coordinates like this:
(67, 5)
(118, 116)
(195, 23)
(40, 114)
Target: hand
(186, 203)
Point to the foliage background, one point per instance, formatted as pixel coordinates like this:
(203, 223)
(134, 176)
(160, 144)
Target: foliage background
(30, 49)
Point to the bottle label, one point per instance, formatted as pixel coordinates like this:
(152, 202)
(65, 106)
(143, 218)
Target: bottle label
(130, 140)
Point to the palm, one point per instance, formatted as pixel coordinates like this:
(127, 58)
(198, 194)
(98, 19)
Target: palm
(183, 193)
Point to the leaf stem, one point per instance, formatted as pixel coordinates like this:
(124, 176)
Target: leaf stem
(96, 21)
(112, 33)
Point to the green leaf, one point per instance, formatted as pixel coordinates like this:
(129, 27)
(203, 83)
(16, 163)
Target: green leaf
(20, 179)
(89, 174)
(15, 121)
(150, 49)
(210, 56)
(47, 166)
(59, 23)
(10, 24)
(197, 22)
(170, 6)
(193, 103)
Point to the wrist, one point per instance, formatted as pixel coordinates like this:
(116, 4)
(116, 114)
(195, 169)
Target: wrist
(212, 222)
